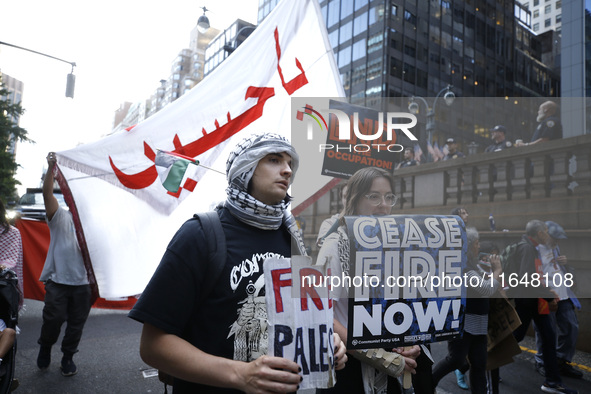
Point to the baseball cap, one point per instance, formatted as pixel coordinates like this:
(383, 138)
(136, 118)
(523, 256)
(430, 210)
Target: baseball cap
(499, 128)
(450, 141)
(555, 230)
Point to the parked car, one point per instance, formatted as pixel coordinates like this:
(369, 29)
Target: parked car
(31, 206)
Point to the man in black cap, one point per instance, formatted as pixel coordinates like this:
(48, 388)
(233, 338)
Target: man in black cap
(453, 152)
(499, 141)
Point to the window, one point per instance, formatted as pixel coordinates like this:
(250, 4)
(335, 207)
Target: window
(360, 24)
(559, 4)
(410, 17)
(376, 14)
(333, 12)
(374, 69)
(346, 32)
(344, 56)
(359, 4)
(536, 2)
(536, 13)
(548, 22)
(359, 49)
(536, 26)
(374, 43)
(334, 38)
(558, 18)
(346, 8)
(548, 9)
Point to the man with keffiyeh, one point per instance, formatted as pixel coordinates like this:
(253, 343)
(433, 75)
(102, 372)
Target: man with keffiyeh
(218, 344)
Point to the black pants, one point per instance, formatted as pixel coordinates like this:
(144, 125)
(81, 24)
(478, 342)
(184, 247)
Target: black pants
(64, 303)
(527, 309)
(473, 346)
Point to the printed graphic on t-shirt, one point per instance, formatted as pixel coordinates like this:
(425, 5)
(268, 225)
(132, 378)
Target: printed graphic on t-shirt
(250, 328)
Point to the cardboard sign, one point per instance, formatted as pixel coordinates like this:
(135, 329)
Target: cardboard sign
(406, 284)
(300, 319)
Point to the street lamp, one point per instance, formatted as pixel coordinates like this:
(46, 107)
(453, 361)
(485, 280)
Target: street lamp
(203, 21)
(235, 43)
(413, 107)
(71, 79)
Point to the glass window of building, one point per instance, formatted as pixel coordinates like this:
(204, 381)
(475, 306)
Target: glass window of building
(409, 72)
(359, 49)
(536, 13)
(548, 22)
(376, 14)
(374, 43)
(346, 32)
(333, 12)
(558, 18)
(344, 56)
(395, 39)
(360, 24)
(346, 8)
(410, 17)
(395, 67)
(359, 4)
(559, 4)
(547, 9)
(359, 75)
(333, 38)
(536, 2)
(374, 69)
(536, 26)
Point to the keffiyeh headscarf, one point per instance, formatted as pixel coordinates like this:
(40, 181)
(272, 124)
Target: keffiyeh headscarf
(240, 167)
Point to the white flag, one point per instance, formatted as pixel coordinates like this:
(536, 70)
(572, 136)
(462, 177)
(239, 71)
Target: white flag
(125, 216)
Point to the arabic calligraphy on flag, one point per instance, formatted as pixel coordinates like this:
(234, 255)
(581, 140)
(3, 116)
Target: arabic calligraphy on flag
(125, 214)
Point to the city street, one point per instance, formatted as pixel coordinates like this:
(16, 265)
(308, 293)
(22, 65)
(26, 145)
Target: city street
(109, 362)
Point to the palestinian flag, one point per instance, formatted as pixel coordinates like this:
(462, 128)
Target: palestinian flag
(171, 168)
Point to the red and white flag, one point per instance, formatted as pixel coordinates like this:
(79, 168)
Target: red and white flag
(124, 214)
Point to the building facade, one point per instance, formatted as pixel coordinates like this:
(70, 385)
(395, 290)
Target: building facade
(546, 14)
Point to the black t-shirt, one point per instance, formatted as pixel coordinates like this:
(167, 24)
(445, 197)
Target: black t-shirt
(229, 322)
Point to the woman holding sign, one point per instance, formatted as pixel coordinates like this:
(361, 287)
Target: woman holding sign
(369, 192)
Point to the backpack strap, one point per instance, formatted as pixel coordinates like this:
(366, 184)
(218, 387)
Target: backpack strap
(216, 246)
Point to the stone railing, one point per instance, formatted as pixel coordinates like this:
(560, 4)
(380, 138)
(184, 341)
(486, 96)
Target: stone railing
(548, 170)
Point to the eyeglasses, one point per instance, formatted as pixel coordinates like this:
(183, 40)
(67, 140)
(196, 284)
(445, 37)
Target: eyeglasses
(376, 199)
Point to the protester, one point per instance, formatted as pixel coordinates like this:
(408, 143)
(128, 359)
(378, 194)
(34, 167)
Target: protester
(564, 319)
(369, 192)
(11, 250)
(549, 126)
(195, 339)
(461, 212)
(453, 153)
(67, 290)
(409, 159)
(473, 343)
(499, 142)
(534, 303)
